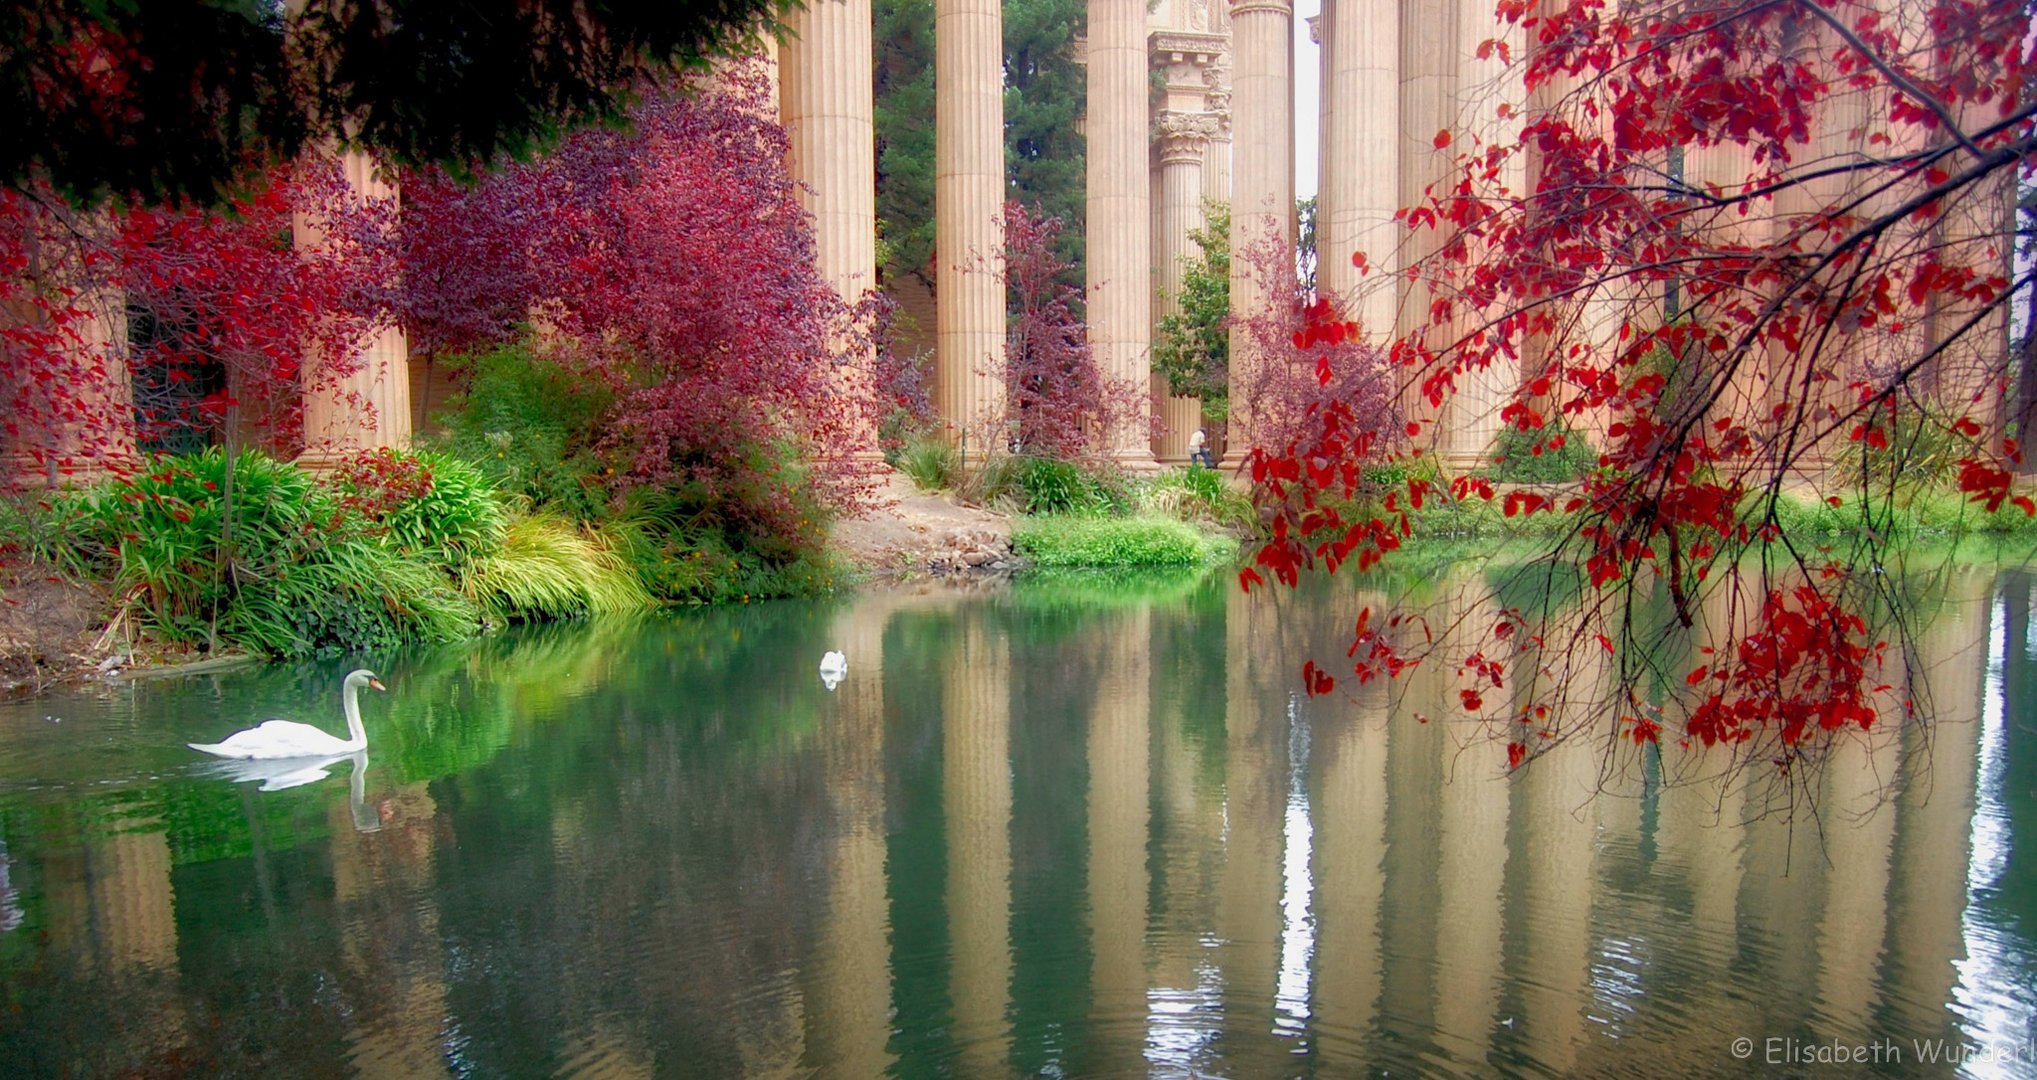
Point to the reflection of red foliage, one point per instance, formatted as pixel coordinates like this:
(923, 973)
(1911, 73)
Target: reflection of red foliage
(1819, 294)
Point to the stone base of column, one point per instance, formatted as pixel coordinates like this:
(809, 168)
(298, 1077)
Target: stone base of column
(1137, 462)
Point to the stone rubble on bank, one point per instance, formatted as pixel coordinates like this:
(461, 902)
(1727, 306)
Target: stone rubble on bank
(964, 550)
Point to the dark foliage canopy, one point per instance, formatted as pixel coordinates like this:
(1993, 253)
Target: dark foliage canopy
(166, 98)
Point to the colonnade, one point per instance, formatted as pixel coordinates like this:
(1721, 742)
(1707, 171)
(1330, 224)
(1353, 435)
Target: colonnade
(1219, 129)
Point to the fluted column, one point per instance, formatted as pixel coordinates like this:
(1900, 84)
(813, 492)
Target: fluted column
(969, 215)
(1427, 52)
(368, 407)
(1184, 140)
(1262, 197)
(1361, 163)
(825, 87)
(1119, 214)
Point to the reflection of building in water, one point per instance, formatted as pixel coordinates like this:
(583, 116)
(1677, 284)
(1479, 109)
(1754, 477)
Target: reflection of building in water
(383, 889)
(1935, 809)
(1255, 770)
(1351, 810)
(849, 1020)
(1555, 830)
(1859, 775)
(976, 798)
(1473, 825)
(1119, 771)
(111, 908)
(10, 899)
(1184, 1002)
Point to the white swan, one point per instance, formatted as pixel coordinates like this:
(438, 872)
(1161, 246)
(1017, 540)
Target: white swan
(289, 739)
(834, 667)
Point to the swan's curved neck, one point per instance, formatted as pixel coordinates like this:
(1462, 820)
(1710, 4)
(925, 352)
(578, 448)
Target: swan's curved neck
(357, 735)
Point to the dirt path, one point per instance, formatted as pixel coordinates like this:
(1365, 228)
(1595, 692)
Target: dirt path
(910, 534)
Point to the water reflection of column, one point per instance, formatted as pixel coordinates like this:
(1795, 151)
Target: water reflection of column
(113, 908)
(1351, 847)
(1935, 810)
(1699, 830)
(1858, 833)
(1473, 843)
(1189, 814)
(401, 1034)
(1118, 772)
(850, 1018)
(976, 796)
(1557, 832)
(1253, 775)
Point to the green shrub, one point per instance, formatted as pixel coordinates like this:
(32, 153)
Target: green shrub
(1199, 495)
(1042, 485)
(529, 425)
(1552, 454)
(285, 569)
(929, 462)
(429, 505)
(682, 553)
(1117, 542)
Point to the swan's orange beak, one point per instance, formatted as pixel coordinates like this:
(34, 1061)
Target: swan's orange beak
(377, 684)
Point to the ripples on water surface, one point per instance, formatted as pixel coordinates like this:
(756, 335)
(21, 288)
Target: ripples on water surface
(1053, 832)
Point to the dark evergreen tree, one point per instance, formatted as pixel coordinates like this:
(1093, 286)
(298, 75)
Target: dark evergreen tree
(1044, 97)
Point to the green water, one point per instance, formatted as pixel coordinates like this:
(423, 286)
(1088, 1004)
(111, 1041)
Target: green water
(1071, 830)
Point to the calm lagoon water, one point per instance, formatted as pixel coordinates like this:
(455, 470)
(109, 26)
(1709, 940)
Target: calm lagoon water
(1067, 830)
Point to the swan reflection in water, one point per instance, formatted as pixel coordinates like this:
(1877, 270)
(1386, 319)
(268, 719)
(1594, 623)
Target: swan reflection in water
(280, 774)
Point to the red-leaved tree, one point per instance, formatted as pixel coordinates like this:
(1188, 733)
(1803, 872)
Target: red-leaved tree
(1060, 403)
(177, 325)
(672, 262)
(1751, 248)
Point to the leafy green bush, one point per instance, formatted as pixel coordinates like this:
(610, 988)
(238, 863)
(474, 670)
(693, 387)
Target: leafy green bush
(425, 504)
(680, 550)
(529, 425)
(1043, 485)
(929, 462)
(284, 567)
(1552, 454)
(1196, 494)
(1117, 542)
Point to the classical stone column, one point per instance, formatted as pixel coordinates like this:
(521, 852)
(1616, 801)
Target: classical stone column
(368, 407)
(1216, 160)
(1361, 163)
(73, 408)
(1184, 139)
(825, 91)
(1262, 198)
(1118, 211)
(969, 216)
(1428, 104)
